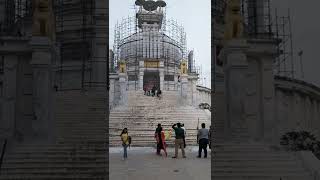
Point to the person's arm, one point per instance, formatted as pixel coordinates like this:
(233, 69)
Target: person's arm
(174, 126)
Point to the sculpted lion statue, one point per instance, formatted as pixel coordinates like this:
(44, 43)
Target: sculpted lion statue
(43, 19)
(233, 20)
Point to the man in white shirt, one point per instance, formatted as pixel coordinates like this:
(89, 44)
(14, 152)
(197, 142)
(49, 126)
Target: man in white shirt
(185, 133)
(203, 140)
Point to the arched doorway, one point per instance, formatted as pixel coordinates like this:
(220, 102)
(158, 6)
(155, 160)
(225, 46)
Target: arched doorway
(151, 79)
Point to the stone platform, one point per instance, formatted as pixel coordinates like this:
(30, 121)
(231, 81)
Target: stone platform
(143, 163)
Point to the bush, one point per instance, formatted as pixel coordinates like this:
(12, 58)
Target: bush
(204, 106)
(301, 141)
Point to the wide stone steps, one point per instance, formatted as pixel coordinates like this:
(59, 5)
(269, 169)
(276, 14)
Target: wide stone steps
(80, 129)
(51, 177)
(257, 161)
(143, 113)
(260, 176)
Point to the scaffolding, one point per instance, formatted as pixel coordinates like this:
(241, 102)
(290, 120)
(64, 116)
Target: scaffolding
(81, 32)
(257, 18)
(12, 15)
(218, 9)
(76, 32)
(165, 41)
(259, 23)
(284, 63)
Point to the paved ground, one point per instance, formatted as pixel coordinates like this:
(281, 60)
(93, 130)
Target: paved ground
(144, 164)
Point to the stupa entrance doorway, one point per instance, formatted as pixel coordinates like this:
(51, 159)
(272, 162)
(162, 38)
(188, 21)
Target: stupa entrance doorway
(151, 79)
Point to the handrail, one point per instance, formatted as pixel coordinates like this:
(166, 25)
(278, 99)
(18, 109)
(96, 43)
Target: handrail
(2, 153)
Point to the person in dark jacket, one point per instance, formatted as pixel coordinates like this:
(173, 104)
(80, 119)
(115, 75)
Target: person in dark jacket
(179, 140)
(157, 135)
(153, 91)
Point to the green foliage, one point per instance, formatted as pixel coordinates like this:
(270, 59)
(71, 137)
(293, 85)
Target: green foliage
(205, 106)
(301, 141)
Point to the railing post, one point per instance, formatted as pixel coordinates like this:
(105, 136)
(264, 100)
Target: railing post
(2, 153)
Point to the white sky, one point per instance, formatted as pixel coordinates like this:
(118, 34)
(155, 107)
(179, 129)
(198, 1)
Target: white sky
(194, 16)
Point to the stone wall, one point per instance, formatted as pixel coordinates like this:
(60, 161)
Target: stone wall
(297, 106)
(16, 98)
(203, 95)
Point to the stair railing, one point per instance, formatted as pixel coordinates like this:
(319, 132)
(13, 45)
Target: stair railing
(3, 153)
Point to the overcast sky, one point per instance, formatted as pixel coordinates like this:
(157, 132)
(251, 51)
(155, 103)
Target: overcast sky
(306, 35)
(194, 16)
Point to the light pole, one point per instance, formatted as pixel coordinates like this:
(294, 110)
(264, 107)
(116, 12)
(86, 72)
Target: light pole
(301, 63)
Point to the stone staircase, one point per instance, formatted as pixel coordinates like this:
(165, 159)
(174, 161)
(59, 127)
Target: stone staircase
(80, 117)
(143, 113)
(239, 158)
(80, 148)
(255, 161)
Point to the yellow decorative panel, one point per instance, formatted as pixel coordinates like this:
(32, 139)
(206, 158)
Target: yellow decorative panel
(151, 64)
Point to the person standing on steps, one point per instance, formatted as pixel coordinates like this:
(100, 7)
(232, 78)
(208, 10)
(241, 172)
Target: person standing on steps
(185, 134)
(159, 93)
(125, 142)
(202, 139)
(179, 140)
(153, 91)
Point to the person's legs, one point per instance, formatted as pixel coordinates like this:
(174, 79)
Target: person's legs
(200, 148)
(165, 149)
(158, 148)
(182, 148)
(176, 146)
(125, 155)
(205, 148)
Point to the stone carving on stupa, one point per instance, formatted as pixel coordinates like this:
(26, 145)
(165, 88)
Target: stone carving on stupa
(184, 69)
(122, 65)
(150, 5)
(233, 20)
(43, 19)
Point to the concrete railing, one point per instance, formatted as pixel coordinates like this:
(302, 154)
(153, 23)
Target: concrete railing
(3, 151)
(297, 105)
(310, 162)
(203, 95)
